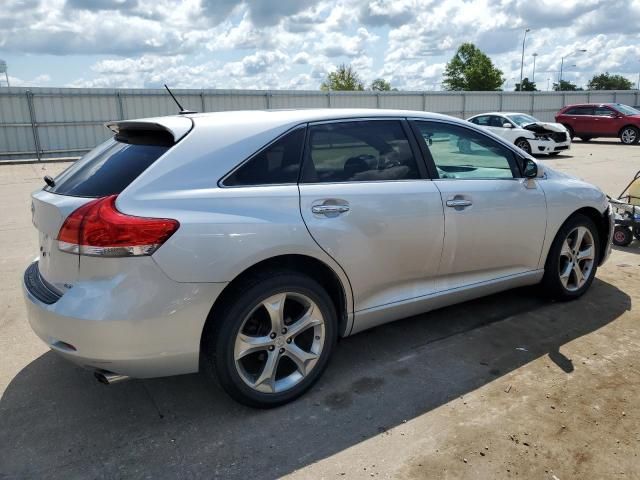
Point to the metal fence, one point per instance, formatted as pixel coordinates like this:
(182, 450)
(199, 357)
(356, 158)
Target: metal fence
(66, 122)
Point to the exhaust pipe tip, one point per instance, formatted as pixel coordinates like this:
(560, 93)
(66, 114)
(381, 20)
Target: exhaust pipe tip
(107, 378)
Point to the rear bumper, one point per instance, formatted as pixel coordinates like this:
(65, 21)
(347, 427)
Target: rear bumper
(138, 324)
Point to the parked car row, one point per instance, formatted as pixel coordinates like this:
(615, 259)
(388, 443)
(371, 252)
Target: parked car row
(585, 121)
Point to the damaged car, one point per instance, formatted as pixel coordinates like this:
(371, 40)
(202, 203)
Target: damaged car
(526, 132)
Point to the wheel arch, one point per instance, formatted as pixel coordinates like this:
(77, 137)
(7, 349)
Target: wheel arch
(601, 221)
(305, 264)
(626, 126)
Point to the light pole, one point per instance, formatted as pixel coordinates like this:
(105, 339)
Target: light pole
(548, 80)
(3, 69)
(522, 59)
(533, 75)
(562, 65)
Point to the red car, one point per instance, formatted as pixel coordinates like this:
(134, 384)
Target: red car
(590, 120)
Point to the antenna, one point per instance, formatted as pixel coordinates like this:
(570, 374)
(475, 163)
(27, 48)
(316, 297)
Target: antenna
(182, 110)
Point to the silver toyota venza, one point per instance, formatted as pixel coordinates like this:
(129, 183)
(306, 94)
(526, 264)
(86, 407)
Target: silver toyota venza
(244, 244)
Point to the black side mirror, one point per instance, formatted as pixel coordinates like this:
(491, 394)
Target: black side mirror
(530, 168)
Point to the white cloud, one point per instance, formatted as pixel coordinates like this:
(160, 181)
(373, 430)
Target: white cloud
(295, 43)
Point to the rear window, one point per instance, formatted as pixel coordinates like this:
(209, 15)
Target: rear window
(111, 167)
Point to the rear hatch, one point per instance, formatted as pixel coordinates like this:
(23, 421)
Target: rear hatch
(106, 170)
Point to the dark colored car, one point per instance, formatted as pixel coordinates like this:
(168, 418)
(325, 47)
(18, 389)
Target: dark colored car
(592, 120)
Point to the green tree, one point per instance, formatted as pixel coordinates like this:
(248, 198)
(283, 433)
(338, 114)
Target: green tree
(344, 78)
(380, 85)
(471, 69)
(527, 86)
(565, 86)
(606, 81)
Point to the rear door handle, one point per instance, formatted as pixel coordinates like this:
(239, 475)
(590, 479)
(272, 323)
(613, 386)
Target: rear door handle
(330, 210)
(459, 203)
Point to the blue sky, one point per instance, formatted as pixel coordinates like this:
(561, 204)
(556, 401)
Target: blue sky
(292, 44)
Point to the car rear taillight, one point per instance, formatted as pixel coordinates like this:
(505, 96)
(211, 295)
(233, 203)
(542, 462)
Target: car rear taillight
(97, 228)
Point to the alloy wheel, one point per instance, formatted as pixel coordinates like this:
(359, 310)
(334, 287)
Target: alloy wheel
(628, 135)
(524, 145)
(577, 257)
(279, 342)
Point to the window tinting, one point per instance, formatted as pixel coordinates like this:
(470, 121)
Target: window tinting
(361, 151)
(580, 111)
(279, 163)
(461, 153)
(107, 170)
(483, 120)
(603, 111)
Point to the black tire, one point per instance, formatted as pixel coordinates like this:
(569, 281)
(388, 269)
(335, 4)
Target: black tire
(622, 236)
(522, 144)
(629, 135)
(218, 342)
(636, 233)
(585, 139)
(551, 282)
(570, 131)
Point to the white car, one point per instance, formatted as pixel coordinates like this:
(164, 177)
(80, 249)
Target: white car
(526, 132)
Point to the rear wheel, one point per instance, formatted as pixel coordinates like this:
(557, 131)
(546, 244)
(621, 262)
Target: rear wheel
(522, 144)
(622, 236)
(629, 135)
(572, 261)
(273, 339)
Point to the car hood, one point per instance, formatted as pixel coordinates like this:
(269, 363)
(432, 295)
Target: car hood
(545, 127)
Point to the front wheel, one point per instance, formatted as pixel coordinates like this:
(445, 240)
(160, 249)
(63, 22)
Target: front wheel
(522, 144)
(273, 340)
(573, 259)
(629, 135)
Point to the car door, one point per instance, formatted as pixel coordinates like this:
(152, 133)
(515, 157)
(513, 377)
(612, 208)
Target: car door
(582, 120)
(606, 122)
(495, 220)
(366, 201)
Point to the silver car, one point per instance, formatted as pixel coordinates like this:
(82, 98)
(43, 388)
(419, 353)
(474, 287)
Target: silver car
(244, 244)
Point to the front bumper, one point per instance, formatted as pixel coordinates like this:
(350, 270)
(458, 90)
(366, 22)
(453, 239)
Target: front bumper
(612, 220)
(138, 323)
(545, 147)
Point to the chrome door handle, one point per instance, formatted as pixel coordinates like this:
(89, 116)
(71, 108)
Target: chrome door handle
(459, 203)
(329, 210)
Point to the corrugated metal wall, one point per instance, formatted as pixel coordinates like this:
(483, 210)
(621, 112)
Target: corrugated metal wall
(57, 122)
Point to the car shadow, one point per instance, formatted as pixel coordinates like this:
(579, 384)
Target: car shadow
(603, 141)
(560, 156)
(633, 247)
(56, 420)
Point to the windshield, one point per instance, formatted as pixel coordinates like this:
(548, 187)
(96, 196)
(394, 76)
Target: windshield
(521, 119)
(626, 109)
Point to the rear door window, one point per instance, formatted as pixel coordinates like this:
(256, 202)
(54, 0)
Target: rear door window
(580, 111)
(109, 168)
(360, 151)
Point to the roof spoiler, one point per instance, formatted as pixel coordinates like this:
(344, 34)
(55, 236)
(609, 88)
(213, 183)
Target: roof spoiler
(176, 127)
